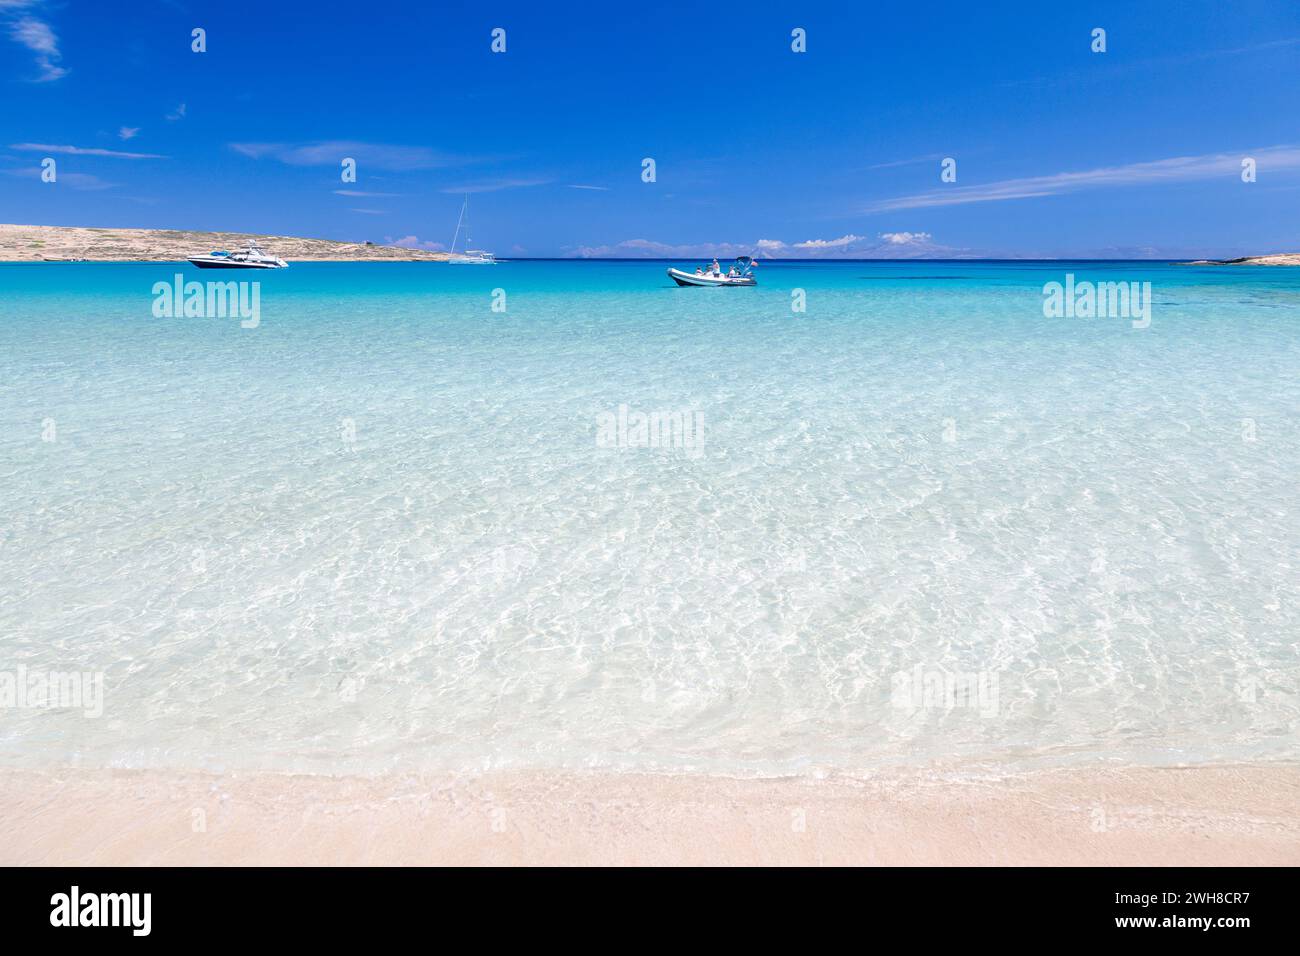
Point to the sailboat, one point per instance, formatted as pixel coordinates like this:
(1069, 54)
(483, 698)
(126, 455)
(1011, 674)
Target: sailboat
(470, 257)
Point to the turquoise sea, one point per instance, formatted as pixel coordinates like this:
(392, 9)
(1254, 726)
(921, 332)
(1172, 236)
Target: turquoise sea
(393, 528)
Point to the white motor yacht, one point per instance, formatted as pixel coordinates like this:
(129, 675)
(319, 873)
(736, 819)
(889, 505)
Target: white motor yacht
(251, 257)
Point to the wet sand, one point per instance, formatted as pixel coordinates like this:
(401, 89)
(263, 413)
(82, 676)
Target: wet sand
(1241, 815)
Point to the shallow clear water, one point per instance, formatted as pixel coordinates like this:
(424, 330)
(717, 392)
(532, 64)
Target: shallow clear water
(386, 530)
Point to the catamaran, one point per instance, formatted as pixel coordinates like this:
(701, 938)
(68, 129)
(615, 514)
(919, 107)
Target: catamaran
(742, 273)
(470, 257)
(251, 257)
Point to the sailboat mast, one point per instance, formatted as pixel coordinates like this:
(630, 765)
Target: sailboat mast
(458, 222)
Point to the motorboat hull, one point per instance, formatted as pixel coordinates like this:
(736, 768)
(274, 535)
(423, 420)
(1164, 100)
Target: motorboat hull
(233, 264)
(689, 278)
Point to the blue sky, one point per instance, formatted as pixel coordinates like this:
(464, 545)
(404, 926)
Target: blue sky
(1060, 151)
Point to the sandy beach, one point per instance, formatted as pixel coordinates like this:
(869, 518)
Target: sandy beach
(1239, 815)
(381, 542)
(1276, 259)
(63, 243)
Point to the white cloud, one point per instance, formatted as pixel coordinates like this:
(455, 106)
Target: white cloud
(888, 245)
(127, 132)
(39, 37)
(1174, 170)
(414, 242)
(603, 189)
(176, 114)
(362, 193)
(905, 238)
(841, 242)
(649, 249)
(81, 151)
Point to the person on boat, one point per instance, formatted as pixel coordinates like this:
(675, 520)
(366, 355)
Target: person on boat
(732, 273)
(717, 269)
(699, 271)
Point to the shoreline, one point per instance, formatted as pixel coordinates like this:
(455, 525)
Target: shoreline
(20, 243)
(1222, 815)
(32, 243)
(1274, 259)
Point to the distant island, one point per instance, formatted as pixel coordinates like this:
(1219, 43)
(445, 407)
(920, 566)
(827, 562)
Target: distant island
(72, 243)
(1278, 259)
(90, 244)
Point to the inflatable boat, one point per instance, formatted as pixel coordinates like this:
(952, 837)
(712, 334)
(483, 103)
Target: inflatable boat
(742, 273)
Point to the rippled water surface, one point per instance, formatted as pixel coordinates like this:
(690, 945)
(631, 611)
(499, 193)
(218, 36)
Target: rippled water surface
(391, 528)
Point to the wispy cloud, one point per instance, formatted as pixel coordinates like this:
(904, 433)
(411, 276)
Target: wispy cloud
(1174, 170)
(493, 185)
(603, 189)
(176, 114)
(39, 37)
(1120, 67)
(332, 152)
(75, 180)
(81, 151)
(931, 158)
(362, 193)
(127, 132)
(371, 212)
